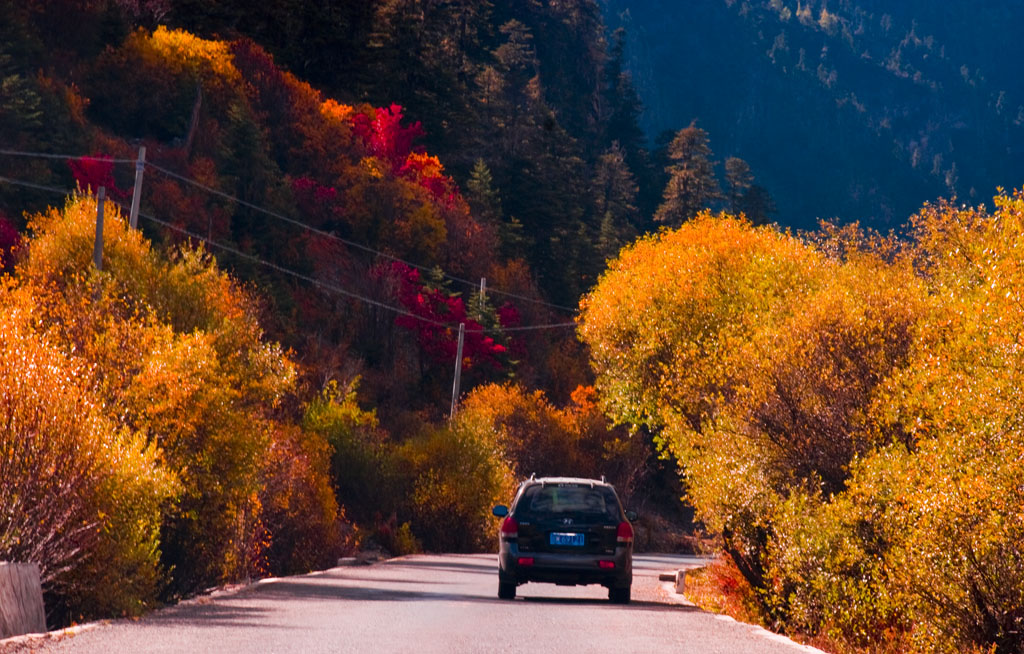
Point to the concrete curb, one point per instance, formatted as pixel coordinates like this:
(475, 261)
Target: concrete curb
(31, 640)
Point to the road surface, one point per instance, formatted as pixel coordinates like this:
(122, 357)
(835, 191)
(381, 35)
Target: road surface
(425, 604)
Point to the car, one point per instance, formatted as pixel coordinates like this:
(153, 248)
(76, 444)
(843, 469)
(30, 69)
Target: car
(568, 531)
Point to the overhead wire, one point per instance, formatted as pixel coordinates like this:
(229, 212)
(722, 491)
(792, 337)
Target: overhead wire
(63, 157)
(359, 246)
(292, 221)
(38, 187)
(287, 271)
(333, 288)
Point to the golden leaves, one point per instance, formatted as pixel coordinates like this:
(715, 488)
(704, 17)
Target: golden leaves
(847, 409)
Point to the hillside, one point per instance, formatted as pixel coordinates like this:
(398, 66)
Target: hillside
(854, 109)
(338, 200)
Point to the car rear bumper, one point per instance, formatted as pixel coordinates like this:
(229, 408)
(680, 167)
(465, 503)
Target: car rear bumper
(567, 569)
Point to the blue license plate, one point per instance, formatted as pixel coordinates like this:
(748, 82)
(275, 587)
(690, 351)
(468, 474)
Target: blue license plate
(567, 540)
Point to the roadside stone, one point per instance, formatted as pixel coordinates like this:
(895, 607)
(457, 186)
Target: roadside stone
(21, 600)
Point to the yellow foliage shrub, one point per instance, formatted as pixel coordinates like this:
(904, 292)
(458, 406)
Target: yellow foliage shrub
(456, 476)
(846, 409)
(82, 496)
(179, 356)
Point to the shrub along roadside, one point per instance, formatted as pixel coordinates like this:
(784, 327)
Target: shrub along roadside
(81, 495)
(846, 410)
(199, 478)
(409, 494)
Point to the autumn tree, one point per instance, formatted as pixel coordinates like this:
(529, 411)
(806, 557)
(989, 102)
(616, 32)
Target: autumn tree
(82, 494)
(709, 334)
(180, 356)
(533, 435)
(954, 557)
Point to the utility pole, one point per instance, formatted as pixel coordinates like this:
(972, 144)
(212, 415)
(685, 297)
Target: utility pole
(140, 165)
(97, 248)
(458, 369)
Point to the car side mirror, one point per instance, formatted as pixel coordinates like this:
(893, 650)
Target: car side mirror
(632, 516)
(501, 510)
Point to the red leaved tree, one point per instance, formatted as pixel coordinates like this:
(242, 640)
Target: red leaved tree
(9, 241)
(384, 137)
(96, 171)
(435, 320)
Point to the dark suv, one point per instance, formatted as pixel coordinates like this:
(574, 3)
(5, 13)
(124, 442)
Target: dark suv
(566, 531)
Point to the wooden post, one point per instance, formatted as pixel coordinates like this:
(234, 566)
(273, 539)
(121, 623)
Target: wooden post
(458, 369)
(97, 248)
(140, 165)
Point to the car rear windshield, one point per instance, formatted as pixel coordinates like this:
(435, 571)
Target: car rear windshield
(558, 500)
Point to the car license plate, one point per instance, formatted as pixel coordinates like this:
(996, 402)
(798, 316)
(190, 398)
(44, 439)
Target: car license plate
(565, 539)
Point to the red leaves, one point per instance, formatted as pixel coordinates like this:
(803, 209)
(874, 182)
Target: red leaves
(9, 241)
(384, 137)
(318, 203)
(94, 172)
(427, 171)
(436, 317)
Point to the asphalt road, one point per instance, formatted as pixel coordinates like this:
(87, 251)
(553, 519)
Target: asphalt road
(426, 604)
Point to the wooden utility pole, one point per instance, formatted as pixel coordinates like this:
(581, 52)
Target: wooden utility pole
(140, 165)
(97, 248)
(458, 369)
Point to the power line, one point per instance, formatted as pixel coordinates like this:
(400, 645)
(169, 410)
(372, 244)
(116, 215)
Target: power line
(297, 223)
(38, 187)
(337, 289)
(536, 327)
(63, 157)
(287, 271)
(340, 239)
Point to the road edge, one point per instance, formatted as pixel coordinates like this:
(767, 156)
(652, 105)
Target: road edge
(670, 583)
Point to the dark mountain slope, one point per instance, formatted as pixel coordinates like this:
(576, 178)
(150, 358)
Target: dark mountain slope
(852, 109)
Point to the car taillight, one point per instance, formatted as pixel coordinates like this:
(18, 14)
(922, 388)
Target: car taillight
(606, 565)
(526, 560)
(625, 533)
(509, 528)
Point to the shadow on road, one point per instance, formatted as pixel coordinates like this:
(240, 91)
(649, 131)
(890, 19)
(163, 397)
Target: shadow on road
(488, 567)
(214, 615)
(316, 589)
(251, 608)
(634, 605)
(301, 590)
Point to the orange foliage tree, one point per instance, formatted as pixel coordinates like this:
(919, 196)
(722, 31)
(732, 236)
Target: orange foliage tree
(178, 355)
(82, 495)
(764, 361)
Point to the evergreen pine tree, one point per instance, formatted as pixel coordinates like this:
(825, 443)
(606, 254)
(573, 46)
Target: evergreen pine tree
(692, 185)
(20, 109)
(485, 202)
(758, 205)
(738, 180)
(614, 192)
